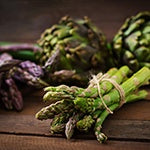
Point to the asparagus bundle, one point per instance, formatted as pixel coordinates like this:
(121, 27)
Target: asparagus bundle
(82, 108)
(10, 95)
(29, 73)
(12, 70)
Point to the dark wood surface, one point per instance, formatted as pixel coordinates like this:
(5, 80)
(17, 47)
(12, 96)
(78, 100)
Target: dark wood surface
(24, 21)
(128, 128)
(19, 142)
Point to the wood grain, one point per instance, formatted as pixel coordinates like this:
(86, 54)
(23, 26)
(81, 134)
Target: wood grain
(116, 129)
(17, 142)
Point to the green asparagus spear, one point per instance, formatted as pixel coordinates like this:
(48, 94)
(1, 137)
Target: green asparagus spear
(66, 92)
(101, 137)
(59, 122)
(105, 85)
(54, 109)
(89, 105)
(85, 124)
(70, 125)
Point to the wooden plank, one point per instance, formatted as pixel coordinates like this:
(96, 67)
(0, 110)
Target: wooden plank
(16, 142)
(119, 129)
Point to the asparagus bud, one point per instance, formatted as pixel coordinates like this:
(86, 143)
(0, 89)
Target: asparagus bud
(70, 125)
(54, 109)
(59, 122)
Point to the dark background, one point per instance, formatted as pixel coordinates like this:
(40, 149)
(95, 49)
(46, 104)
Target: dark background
(25, 20)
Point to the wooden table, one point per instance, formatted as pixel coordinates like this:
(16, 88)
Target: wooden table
(23, 21)
(128, 128)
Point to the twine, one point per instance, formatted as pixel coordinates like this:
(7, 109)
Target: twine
(115, 84)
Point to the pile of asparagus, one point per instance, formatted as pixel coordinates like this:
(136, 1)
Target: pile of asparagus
(13, 71)
(75, 108)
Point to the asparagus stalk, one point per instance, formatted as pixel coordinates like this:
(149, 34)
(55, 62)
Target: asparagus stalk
(85, 124)
(87, 121)
(7, 62)
(106, 86)
(89, 105)
(23, 51)
(54, 109)
(61, 92)
(26, 77)
(101, 137)
(63, 105)
(94, 107)
(59, 122)
(66, 92)
(10, 94)
(58, 91)
(71, 124)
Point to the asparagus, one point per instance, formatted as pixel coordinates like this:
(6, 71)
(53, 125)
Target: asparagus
(15, 94)
(54, 109)
(71, 124)
(96, 113)
(88, 109)
(65, 89)
(7, 47)
(10, 94)
(89, 105)
(106, 86)
(66, 92)
(7, 62)
(12, 70)
(86, 123)
(59, 122)
(23, 51)
(124, 70)
(101, 137)
(59, 92)
(24, 76)
(118, 77)
(32, 68)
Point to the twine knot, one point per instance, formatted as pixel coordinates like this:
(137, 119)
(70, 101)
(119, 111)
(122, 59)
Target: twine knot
(105, 77)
